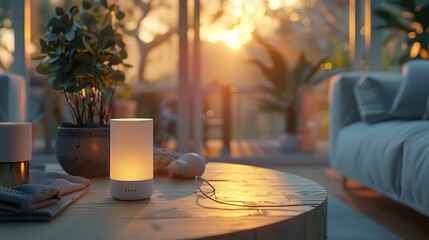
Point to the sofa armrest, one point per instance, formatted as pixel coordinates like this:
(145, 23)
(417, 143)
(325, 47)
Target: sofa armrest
(343, 106)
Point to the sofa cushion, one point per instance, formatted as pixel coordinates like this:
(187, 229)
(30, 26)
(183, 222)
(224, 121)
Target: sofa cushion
(410, 101)
(415, 172)
(373, 153)
(374, 95)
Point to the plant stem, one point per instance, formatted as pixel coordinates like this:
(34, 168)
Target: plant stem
(73, 107)
(109, 111)
(78, 98)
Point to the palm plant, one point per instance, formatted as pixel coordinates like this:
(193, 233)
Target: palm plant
(410, 19)
(283, 83)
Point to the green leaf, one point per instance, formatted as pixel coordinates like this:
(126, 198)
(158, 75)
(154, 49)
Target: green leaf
(59, 11)
(57, 83)
(118, 39)
(91, 22)
(123, 53)
(66, 68)
(87, 46)
(390, 20)
(104, 58)
(56, 25)
(73, 10)
(84, 15)
(99, 66)
(69, 84)
(77, 41)
(84, 70)
(115, 59)
(70, 35)
(40, 57)
(120, 15)
(71, 54)
(407, 5)
(51, 79)
(52, 59)
(107, 78)
(43, 46)
(86, 5)
(43, 68)
(53, 37)
(127, 65)
(53, 67)
(108, 43)
(84, 85)
(66, 20)
(107, 32)
(62, 61)
(107, 92)
(59, 50)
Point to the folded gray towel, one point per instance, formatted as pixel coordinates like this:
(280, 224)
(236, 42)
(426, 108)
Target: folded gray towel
(43, 198)
(27, 197)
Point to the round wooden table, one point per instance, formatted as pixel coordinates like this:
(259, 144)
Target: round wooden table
(177, 211)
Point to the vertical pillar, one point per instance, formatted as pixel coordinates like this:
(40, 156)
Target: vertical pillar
(183, 129)
(373, 38)
(22, 30)
(355, 24)
(361, 14)
(226, 115)
(35, 19)
(198, 116)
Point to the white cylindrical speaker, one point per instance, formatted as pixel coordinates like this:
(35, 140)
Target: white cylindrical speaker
(131, 158)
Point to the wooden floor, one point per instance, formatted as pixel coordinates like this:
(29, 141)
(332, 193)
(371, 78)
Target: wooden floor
(399, 219)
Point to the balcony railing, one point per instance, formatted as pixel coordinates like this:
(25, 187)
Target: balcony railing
(231, 113)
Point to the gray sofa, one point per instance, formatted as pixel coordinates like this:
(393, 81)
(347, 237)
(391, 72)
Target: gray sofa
(379, 132)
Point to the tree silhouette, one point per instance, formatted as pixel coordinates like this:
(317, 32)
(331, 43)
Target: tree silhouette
(144, 47)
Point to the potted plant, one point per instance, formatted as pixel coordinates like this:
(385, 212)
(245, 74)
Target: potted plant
(282, 85)
(81, 52)
(410, 20)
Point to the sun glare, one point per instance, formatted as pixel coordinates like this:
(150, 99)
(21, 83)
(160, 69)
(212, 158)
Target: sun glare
(242, 17)
(290, 3)
(232, 38)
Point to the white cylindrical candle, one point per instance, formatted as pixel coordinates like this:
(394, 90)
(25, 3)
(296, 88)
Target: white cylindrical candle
(15, 152)
(131, 158)
(15, 141)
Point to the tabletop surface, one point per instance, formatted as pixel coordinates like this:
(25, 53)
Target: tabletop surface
(177, 211)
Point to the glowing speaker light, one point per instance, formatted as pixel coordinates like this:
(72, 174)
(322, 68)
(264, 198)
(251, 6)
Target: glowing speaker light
(131, 158)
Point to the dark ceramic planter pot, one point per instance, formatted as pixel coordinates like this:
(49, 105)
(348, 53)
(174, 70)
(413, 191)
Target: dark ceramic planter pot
(84, 151)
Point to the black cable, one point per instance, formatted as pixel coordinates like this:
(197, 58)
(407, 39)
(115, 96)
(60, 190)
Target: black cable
(213, 193)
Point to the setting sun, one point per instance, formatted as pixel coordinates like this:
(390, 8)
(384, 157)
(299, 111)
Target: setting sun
(233, 38)
(242, 17)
